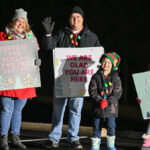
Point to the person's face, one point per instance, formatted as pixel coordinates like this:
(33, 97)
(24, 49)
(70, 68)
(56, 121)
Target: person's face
(76, 21)
(20, 25)
(106, 64)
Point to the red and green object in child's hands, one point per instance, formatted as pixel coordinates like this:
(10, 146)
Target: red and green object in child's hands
(103, 104)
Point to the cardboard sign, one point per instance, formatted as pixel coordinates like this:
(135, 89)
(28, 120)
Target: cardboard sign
(73, 68)
(142, 84)
(17, 64)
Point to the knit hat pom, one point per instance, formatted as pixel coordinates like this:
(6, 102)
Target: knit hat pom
(114, 58)
(20, 13)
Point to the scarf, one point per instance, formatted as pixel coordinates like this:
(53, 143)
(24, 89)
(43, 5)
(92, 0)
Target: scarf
(14, 35)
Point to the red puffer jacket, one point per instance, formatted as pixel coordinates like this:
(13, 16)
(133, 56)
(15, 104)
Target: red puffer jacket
(18, 93)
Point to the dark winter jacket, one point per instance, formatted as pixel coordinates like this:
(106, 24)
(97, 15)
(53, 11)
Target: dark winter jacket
(114, 93)
(62, 39)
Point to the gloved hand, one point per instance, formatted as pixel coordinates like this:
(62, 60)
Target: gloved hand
(48, 25)
(103, 103)
(138, 100)
(38, 62)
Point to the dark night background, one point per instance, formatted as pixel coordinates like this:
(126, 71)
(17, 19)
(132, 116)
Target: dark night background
(121, 25)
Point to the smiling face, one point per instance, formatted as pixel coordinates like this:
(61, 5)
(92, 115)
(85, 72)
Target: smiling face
(106, 65)
(76, 21)
(20, 25)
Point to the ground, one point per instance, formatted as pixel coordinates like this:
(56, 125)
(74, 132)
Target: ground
(129, 130)
(125, 140)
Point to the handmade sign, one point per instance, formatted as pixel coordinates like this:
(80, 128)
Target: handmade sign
(142, 84)
(73, 68)
(17, 64)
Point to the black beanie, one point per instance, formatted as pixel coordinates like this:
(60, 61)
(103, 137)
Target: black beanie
(78, 10)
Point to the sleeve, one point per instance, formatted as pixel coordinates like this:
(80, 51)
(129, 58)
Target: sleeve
(95, 96)
(51, 42)
(3, 36)
(97, 43)
(117, 92)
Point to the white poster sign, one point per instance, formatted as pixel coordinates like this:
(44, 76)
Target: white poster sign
(73, 68)
(17, 64)
(142, 84)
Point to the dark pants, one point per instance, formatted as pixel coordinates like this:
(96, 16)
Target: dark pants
(97, 126)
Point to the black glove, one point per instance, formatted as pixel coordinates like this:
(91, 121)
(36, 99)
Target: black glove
(48, 25)
(38, 62)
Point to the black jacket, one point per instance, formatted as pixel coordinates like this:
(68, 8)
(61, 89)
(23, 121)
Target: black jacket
(62, 39)
(114, 93)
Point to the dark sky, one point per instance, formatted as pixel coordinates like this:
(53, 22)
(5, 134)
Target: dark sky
(121, 25)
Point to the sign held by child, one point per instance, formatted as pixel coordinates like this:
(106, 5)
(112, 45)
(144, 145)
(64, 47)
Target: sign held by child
(142, 84)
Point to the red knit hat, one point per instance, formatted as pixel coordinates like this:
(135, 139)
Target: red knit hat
(114, 58)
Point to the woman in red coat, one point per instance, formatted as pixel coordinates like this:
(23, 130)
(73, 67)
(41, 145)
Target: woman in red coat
(13, 101)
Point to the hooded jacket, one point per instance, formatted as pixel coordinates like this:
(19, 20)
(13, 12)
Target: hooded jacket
(63, 39)
(114, 93)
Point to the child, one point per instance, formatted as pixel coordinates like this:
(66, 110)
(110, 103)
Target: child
(146, 136)
(146, 139)
(105, 90)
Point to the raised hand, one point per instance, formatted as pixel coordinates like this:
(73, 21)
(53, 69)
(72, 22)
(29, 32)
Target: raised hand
(48, 25)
